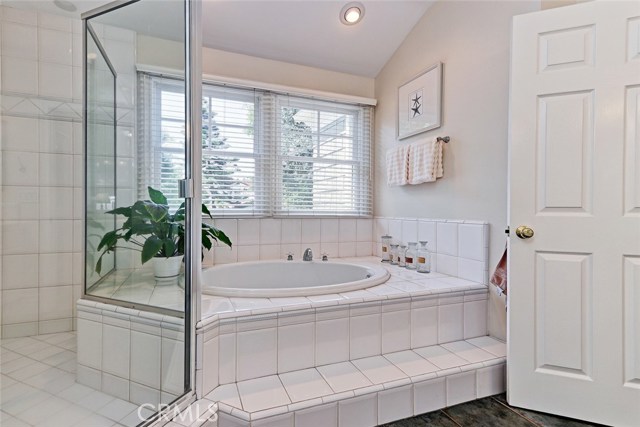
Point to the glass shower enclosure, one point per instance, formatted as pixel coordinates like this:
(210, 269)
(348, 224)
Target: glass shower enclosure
(138, 240)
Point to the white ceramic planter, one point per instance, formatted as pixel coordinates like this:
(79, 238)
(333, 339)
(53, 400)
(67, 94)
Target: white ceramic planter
(164, 268)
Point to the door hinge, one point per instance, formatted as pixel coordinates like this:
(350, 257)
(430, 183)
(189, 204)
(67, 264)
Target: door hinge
(185, 188)
(507, 231)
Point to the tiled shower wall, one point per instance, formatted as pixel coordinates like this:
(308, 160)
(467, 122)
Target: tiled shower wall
(41, 172)
(42, 169)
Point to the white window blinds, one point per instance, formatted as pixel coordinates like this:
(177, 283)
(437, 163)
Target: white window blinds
(264, 153)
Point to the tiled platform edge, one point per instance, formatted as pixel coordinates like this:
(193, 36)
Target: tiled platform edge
(133, 355)
(366, 392)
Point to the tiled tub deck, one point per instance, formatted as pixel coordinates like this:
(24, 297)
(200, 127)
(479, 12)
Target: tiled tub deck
(411, 345)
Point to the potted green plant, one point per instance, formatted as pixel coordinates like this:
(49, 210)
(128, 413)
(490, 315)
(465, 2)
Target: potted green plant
(158, 234)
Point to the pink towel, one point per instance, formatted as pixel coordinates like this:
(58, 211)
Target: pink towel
(499, 277)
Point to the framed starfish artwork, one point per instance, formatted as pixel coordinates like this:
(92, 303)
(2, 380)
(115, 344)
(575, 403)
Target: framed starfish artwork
(420, 103)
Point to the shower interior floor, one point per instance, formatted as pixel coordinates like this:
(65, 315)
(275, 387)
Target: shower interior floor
(39, 389)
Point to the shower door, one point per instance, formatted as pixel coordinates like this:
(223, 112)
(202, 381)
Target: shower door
(140, 215)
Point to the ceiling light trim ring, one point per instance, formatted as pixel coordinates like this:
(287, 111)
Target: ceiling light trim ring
(347, 15)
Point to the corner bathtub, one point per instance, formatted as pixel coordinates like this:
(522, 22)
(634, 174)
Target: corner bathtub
(275, 279)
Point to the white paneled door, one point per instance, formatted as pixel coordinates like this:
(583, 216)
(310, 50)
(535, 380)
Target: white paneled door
(574, 272)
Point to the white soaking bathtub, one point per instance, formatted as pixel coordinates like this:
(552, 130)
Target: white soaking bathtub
(275, 279)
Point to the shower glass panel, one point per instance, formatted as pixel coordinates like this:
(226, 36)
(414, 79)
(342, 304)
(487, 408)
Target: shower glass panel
(136, 236)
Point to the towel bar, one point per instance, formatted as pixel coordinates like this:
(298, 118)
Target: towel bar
(444, 139)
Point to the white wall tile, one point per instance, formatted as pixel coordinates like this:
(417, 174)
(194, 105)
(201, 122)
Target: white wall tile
(471, 242)
(445, 264)
(364, 230)
(332, 341)
(54, 80)
(172, 379)
(429, 396)
(56, 136)
(248, 232)
(310, 232)
(359, 412)
(472, 270)
(19, 168)
(56, 236)
(19, 237)
(116, 350)
(54, 46)
(347, 231)
(424, 327)
(475, 318)
(20, 203)
(56, 170)
(461, 388)
(270, 231)
(427, 231)
(115, 386)
(365, 336)
(21, 16)
(55, 303)
(323, 415)
(395, 404)
(291, 231)
(409, 231)
(145, 359)
(256, 354)
(225, 254)
(19, 305)
(450, 323)
(54, 22)
(19, 271)
(19, 41)
(20, 134)
(140, 394)
(56, 203)
(55, 269)
(331, 249)
(380, 228)
(364, 248)
(20, 75)
(89, 377)
(296, 347)
(210, 366)
(227, 358)
(396, 331)
(248, 253)
(330, 230)
(346, 249)
(395, 230)
(89, 343)
(447, 238)
(491, 380)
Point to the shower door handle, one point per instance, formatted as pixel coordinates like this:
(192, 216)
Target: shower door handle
(185, 188)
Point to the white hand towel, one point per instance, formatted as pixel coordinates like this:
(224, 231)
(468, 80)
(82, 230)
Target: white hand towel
(425, 161)
(397, 165)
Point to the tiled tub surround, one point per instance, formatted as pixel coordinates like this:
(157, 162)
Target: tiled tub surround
(133, 355)
(459, 248)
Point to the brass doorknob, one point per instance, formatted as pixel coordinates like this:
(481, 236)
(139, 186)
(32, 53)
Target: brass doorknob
(524, 232)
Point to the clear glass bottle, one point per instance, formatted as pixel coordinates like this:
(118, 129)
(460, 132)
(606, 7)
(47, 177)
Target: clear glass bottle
(393, 254)
(424, 258)
(401, 256)
(386, 250)
(411, 256)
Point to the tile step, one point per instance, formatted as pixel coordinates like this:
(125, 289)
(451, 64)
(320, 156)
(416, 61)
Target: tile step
(369, 391)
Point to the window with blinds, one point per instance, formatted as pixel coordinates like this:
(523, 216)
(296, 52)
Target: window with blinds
(263, 153)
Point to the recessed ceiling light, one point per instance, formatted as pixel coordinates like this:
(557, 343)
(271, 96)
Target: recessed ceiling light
(352, 13)
(65, 5)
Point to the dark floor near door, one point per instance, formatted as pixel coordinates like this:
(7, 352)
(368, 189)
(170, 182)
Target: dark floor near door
(491, 411)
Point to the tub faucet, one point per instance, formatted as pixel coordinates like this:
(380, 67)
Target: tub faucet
(308, 255)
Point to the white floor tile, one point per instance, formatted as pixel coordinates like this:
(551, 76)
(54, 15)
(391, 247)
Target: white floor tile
(262, 393)
(378, 369)
(490, 344)
(227, 393)
(117, 409)
(95, 400)
(468, 352)
(305, 385)
(343, 376)
(46, 410)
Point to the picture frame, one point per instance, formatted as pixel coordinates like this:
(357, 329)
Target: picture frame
(420, 103)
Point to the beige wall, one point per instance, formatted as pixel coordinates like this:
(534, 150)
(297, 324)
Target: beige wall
(227, 64)
(472, 40)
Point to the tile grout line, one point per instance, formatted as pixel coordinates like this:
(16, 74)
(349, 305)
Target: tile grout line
(517, 412)
(444, 411)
